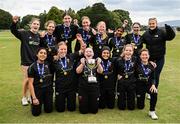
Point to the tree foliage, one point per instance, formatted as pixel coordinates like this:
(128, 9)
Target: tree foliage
(55, 14)
(26, 21)
(5, 19)
(97, 12)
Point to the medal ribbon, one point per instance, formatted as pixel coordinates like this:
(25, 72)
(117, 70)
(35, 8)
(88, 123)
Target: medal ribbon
(64, 64)
(136, 39)
(117, 43)
(99, 39)
(145, 70)
(85, 36)
(66, 32)
(40, 70)
(106, 68)
(127, 65)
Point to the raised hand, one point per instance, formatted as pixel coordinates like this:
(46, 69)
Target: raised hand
(98, 61)
(94, 31)
(42, 34)
(79, 37)
(15, 19)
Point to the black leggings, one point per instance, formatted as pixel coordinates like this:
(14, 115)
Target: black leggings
(45, 96)
(141, 89)
(88, 100)
(107, 98)
(60, 101)
(126, 94)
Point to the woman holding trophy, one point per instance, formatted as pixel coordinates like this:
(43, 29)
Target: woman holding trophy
(88, 83)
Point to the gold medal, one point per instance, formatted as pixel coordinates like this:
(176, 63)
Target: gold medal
(106, 77)
(49, 49)
(65, 73)
(135, 47)
(41, 80)
(117, 50)
(126, 76)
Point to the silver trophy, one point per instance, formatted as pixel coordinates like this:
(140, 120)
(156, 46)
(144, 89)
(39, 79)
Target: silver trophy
(91, 64)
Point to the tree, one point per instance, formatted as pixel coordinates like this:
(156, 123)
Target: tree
(26, 20)
(42, 17)
(98, 12)
(123, 15)
(55, 14)
(72, 13)
(6, 19)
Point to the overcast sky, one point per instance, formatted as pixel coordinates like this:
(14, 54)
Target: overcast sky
(140, 10)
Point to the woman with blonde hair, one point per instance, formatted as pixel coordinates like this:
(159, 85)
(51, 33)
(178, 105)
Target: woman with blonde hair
(30, 41)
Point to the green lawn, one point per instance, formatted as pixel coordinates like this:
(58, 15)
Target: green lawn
(168, 105)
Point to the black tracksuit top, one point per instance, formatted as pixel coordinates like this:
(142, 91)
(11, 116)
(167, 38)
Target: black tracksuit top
(155, 41)
(138, 46)
(65, 83)
(59, 34)
(29, 44)
(140, 74)
(47, 76)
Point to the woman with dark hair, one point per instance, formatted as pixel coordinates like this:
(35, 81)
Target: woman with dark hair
(107, 80)
(40, 84)
(145, 69)
(134, 38)
(117, 42)
(66, 32)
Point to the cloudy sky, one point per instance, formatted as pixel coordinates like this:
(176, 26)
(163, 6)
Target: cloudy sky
(140, 10)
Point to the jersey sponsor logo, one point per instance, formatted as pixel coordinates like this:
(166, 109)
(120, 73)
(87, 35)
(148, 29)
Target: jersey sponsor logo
(35, 43)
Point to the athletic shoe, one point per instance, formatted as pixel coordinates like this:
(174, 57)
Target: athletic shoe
(153, 115)
(24, 101)
(148, 96)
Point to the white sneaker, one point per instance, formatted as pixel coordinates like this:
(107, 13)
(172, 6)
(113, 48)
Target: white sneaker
(153, 115)
(29, 100)
(24, 101)
(148, 96)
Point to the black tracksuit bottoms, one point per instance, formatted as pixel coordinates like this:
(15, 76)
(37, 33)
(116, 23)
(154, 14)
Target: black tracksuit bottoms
(88, 100)
(126, 95)
(45, 97)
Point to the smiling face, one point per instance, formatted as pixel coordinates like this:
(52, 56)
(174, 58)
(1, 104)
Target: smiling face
(35, 26)
(50, 28)
(88, 53)
(105, 54)
(119, 32)
(136, 29)
(128, 52)
(67, 20)
(42, 55)
(62, 51)
(101, 27)
(144, 56)
(86, 24)
(152, 23)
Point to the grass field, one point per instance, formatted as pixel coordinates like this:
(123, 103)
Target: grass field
(11, 110)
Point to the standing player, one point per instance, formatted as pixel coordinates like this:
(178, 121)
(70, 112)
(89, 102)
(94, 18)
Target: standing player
(66, 32)
(30, 41)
